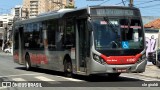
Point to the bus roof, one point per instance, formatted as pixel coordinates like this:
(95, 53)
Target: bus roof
(62, 12)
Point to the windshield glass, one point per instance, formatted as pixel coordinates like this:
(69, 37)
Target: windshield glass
(118, 33)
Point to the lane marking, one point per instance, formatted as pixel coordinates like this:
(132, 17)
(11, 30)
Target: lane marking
(70, 79)
(3, 87)
(20, 75)
(44, 78)
(18, 79)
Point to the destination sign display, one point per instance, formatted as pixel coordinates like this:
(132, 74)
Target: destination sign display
(113, 12)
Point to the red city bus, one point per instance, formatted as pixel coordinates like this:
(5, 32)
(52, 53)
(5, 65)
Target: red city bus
(93, 40)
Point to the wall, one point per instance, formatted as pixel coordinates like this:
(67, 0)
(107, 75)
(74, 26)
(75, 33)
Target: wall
(151, 41)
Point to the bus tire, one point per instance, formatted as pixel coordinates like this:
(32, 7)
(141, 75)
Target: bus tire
(113, 75)
(68, 69)
(27, 62)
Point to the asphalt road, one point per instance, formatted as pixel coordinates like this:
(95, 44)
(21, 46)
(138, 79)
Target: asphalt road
(10, 71)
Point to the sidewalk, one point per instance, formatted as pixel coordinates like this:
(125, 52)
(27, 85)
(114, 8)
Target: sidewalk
(3, 53)
(151, 71)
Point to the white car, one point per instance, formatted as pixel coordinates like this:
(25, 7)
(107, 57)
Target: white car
(8, 50)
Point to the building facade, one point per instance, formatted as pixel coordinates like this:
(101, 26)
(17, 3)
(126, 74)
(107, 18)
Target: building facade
(6, 21)
(32, 8)
(152, 41)
(17, 12)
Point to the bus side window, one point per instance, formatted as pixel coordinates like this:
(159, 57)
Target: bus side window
(29, 36)
(41, 44)
(35, 38)
(69, 38)
(16, 38)
(59, 38)
(51, 30)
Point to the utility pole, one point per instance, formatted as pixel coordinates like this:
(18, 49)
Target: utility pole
(130, 3)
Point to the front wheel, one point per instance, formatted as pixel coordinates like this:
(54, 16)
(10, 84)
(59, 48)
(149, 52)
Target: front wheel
(27, 63)
(68, 69)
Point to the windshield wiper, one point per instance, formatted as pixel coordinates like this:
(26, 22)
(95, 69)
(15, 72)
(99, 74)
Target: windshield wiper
(129, 23)
(110, 24)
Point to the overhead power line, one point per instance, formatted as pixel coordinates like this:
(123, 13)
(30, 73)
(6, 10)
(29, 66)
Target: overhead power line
(123, 2)
(150, 6)
(103, 2)
(147, 2)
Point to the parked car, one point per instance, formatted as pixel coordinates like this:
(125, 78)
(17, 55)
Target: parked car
(158, 58)
(8, 50)
(152, 57)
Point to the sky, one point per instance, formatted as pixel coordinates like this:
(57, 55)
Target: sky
(147, 7)
(6, 5)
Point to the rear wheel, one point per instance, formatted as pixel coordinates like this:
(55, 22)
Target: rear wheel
(27, 62)
(68, 68)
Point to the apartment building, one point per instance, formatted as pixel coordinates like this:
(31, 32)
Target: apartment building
(6, 21)
(17, 12)
(35, 7)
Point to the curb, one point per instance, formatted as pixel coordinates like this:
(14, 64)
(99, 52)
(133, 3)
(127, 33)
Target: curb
(150, 69)
(158, 77)
(6, 54)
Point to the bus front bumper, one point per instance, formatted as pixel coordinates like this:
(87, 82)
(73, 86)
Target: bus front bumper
(97, 68)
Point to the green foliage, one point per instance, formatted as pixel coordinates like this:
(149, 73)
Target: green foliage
(69, 6)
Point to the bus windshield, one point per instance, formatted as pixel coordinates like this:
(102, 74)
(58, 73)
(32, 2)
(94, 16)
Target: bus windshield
(118, 33)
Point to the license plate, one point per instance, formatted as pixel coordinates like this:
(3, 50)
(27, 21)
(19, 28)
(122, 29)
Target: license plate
(121, 70)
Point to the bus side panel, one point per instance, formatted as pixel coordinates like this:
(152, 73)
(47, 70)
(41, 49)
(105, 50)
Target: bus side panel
(16, 56)
(18, 46)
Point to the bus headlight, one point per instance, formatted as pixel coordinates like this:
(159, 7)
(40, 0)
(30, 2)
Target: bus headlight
(98, 59)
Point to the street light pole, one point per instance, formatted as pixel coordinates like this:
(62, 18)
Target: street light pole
(4, 37)
(130, 3)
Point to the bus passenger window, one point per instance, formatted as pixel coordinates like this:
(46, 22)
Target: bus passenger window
(51, 31)
(69, 38)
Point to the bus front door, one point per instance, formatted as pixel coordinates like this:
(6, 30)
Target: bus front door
(81, 45)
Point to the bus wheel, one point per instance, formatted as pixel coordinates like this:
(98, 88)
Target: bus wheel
(113, 75)
(68, 68)
(27, 62)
